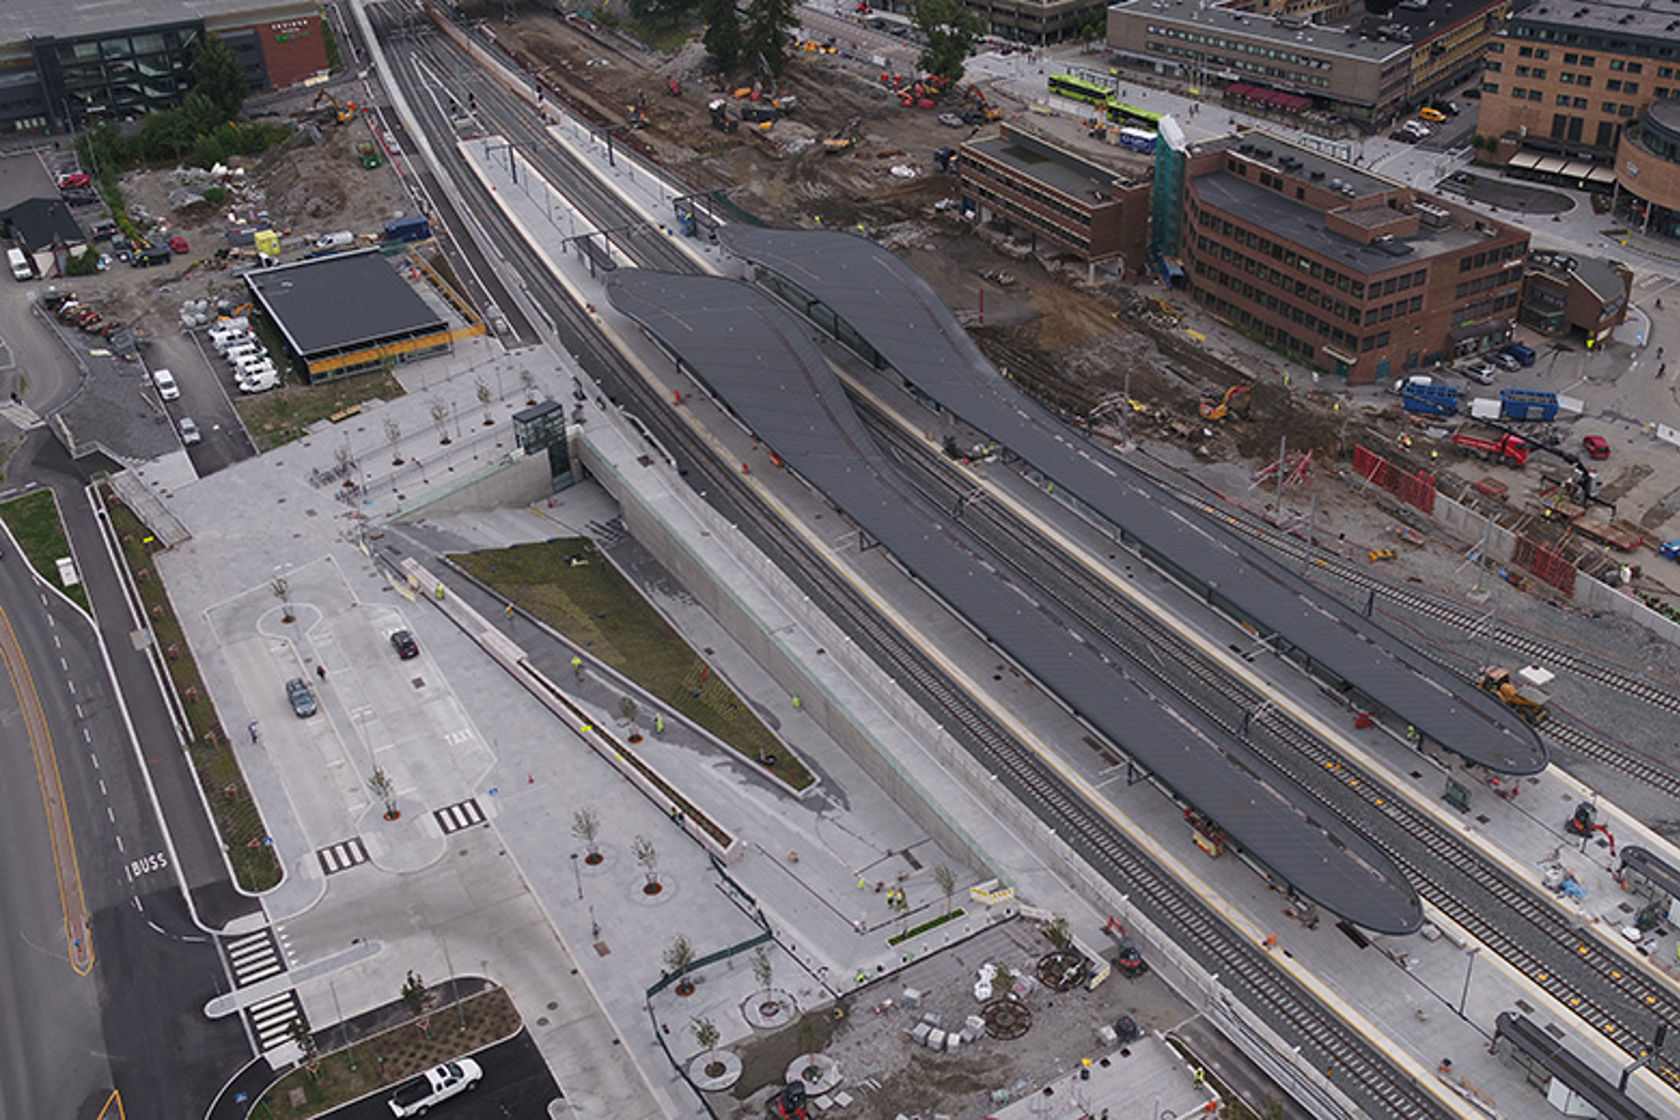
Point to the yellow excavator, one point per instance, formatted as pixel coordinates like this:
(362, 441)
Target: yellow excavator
(341, 111)
(843, 140)
(1234, 400)
(1528, 703)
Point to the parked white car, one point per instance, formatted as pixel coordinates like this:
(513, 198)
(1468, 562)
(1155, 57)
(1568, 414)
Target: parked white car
(414, 1096)
(165, 382)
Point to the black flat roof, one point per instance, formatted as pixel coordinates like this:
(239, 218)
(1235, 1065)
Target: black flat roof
(1654, 868)
(753, 354)
(1610, 1102)
(346, 301)
(900, 315)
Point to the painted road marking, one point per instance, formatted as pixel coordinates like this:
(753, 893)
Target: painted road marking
(455, 817)
(342, 856)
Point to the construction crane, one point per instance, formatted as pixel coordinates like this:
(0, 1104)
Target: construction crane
(1528, 703)
(1235, 400)
(342, 111)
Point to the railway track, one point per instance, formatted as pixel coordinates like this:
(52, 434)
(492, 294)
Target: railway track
(1654, 775)
(1622, 1004)
(1361, 1072)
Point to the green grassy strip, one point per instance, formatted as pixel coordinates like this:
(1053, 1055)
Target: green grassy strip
(34, 521)
(924, 927)
(237, 819)
(570, 586)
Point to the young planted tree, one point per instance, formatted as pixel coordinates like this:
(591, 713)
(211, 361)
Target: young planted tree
(393, 433)
(482, 389)
(679, 957)
(627, 707)
(382, 785)
(281, 590)
(764, 967)
(308, 1054)
(705, 1033)
(415, 995)
(529, 381)
(440, 421)
(947, 883)
(586, 826)
(648, 857)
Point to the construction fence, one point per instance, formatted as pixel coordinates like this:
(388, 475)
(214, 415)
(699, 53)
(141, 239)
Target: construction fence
(1416, 490)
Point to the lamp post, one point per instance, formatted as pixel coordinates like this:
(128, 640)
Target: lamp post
(1469, 963)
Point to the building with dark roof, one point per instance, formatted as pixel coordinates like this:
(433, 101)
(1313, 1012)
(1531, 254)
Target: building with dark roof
(877, 305)
(88, 61)
(1370, 68)
(1581, 297)
(750, 352)
(46, 230)
(348, 313)
(1344, 270)
(1097, 211)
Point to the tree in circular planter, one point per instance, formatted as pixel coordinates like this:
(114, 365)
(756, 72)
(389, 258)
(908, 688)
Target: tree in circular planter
(586, 826)
(679, 958)
(648, 857)
(764, 971)
(706, 1034)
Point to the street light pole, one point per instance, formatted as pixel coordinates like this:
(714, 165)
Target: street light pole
(1469, 963)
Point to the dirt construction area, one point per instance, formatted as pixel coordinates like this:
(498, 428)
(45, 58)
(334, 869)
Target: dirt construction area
(312, 184)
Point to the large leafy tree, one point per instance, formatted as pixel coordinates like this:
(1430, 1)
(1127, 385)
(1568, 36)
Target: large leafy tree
(769, 23)
(723, 36)
(216, 74)
(949, 29)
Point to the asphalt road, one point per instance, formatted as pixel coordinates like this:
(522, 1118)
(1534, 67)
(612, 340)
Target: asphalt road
(135, 1023)
(516, 1085)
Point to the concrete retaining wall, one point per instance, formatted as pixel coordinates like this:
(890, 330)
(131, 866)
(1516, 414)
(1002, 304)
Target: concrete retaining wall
(809, 657)
(516, 481)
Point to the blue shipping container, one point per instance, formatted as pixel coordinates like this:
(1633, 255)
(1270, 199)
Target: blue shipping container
(1436, 400)
(1527, 404)
(416, 228)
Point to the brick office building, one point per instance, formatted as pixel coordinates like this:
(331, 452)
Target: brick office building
(1343, 270)
(82, 62)
(1358, 65)
(1096, 211)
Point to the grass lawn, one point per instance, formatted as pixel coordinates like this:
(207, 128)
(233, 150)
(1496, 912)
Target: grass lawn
(281, 415)
(589, 602)
(33, 520)
(390, 1057)
(237, 819)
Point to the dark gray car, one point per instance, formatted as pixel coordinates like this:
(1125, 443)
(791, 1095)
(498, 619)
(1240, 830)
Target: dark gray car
(303, 700)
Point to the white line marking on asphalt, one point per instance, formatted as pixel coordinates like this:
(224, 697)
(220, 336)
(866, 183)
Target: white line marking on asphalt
(95, 759)
(111, 814)
(120, 847)
(102, 787)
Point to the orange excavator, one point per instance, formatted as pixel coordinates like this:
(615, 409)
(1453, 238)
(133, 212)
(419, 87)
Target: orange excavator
(1235, 400)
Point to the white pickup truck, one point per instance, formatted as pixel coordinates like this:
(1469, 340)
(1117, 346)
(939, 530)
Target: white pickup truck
(438, 1084)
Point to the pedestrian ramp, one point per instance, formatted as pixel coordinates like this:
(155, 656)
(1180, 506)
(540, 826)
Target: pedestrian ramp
(272, 1018)
(463, 814)
(342, 856)
(254, 957)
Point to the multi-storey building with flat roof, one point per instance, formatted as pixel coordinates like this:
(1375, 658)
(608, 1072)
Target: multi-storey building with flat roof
(1588, 92)
(81, 62)
(1341, 269)
(1369, 68)
(1097, 211)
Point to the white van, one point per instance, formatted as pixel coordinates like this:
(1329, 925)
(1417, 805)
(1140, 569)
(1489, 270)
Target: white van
(249, 349)
(19, 264)
(343, 239)
(253, 367)
(224, 327)
(260, 384)
(225, 342)
(165, 382)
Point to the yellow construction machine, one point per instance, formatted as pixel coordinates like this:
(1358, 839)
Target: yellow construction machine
(1527, 702)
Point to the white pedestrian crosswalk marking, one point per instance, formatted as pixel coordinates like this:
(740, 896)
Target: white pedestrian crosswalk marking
(454, 818)
(272, 1018)
(342, 856)
(253, 957)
